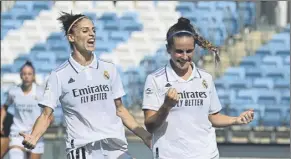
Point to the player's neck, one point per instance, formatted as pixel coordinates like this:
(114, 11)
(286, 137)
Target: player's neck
(83, 59)
(26, 89)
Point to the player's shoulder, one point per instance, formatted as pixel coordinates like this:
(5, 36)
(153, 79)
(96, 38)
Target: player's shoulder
(61, 67)
(204, 74)
(106, 65)
(105, 62)
(160, 72)
(13, 89)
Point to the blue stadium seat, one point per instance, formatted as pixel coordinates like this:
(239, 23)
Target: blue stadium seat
(39, 48)
(105, 47)
(99, 26)
(11, 24)
(112, 26)
(275, 73)
(238, 84)
(268, 97)
(263, 51)
(24, 5)
(118, 36)
(206, 6)
(253, 73)
(248, 96)
(285, 99)
(131, 16)
(272, 61)
(25, 16)
(225, 4)
(250, 61)
(272, 117)
(221, 83)
(234, 73)
(102, 35)
(185, 7)
(225, 96)
(283, 53)
(45, 5)
(130, 26)
(7, 69)
(147, 66)
(108, 16)
(7, 16)
(263, 84)
(282, 85)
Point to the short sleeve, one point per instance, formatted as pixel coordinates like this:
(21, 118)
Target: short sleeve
(215, 105)
(51, 92)
(150, 95)
(9, 99)
(116, 85)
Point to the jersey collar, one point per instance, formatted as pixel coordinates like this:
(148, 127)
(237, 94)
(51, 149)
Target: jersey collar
(78, 68)
(173, 77)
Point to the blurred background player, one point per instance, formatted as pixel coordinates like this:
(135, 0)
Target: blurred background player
(4, 134)
(90, 92)
(24, 98)
(181, 104)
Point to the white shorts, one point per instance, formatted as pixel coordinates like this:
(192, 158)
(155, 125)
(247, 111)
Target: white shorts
(98, 150)
(16, 140)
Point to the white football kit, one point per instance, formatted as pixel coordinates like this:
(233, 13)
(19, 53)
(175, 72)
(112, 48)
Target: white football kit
(187, 132)
(26, 111)
(87, 94)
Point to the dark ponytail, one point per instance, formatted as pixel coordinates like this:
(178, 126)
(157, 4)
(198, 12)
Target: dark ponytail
(184, 28)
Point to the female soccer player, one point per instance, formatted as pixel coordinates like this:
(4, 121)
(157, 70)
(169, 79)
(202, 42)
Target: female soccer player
(180, 101)
(24, 98)
(4, 134)
(90, 91)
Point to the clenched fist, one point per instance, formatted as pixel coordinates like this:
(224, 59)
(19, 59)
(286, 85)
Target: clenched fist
(172, 98)
(29, 141)
(245, 117)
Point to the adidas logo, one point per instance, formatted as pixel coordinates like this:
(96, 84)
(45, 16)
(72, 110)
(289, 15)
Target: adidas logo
(71, 80)
(168, 85)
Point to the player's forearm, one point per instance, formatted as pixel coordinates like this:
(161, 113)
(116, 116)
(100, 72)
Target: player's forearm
(220, 120)
(156, 120)
(131, 123)
(41, 124)
(3, 113)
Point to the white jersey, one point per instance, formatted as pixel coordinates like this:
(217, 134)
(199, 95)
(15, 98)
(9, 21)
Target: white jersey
(87, 95)
(187, 132)
(26, 109)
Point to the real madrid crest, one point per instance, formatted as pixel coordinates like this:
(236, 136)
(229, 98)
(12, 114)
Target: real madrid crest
(106, 75)
(204, 84)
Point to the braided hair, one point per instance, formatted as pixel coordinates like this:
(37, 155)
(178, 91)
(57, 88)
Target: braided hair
(184, 28)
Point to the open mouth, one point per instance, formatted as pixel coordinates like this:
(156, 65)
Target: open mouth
(91, 41)
(182, 61)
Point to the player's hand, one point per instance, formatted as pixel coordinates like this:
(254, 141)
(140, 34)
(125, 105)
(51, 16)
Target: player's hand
(29, 141)
(245, 117)
(171, 98)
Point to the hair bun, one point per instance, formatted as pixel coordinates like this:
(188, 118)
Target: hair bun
(183, 21)
(28, 63)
